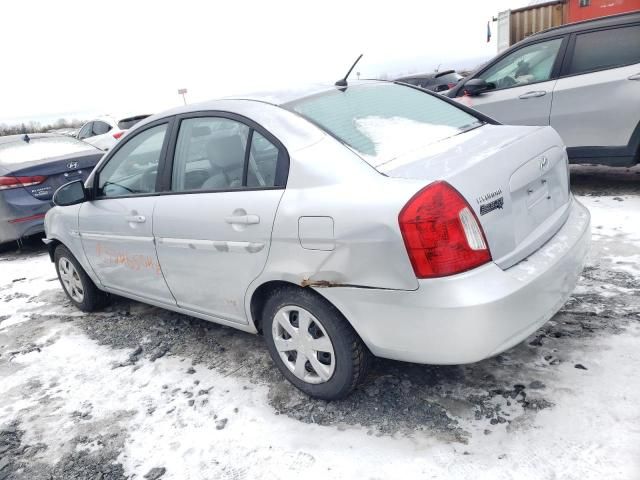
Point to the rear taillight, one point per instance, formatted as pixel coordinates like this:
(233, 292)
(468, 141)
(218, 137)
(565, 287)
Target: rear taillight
(117, 135)
(7, 183)
(441, 233)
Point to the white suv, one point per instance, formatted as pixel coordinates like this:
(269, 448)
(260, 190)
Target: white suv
(583, 79)
(104, 132)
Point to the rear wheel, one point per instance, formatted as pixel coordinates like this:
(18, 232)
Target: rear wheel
(313, 345)
(76, 283)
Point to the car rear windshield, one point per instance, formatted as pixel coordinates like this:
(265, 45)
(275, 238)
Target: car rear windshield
(383, 121)
(20, 151)
(127, 123)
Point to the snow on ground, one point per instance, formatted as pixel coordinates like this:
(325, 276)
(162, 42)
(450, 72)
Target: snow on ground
(118, 393)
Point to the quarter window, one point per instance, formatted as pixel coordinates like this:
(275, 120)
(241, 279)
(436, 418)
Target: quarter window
(530, 64)
(134, 167)
(263, 162)
(606, 49)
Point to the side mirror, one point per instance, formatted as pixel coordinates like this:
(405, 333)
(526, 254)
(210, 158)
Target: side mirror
(476, 86)
(71, 193)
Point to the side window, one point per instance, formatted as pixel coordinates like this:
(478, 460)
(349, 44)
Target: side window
(210, 154)
(100, 128)
(529, 64)
(263, 162)
(134, 167)
(85, 131)
(606, 49)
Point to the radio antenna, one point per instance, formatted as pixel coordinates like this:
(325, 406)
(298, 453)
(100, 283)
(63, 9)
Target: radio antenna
(343, 81)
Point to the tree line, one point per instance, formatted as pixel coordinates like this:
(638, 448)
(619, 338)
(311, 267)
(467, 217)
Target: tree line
(38, 127)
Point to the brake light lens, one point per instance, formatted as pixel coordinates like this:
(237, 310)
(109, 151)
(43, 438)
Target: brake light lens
(441, 233)
(117, 135)
(7, 183)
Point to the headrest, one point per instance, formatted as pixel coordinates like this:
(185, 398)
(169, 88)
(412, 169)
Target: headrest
(224, 152)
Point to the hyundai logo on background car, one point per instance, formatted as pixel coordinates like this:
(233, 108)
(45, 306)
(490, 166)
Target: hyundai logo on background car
(72, 165)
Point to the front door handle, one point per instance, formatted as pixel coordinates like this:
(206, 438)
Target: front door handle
(538, 93)
(635, 77)
(136, 219)
(242, 219)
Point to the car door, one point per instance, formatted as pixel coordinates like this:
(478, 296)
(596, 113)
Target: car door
(596, 101)
(116, 226)
(522, 84)
(213, 231)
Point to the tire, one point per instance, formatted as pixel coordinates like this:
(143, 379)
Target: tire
(79, 288)
(333, 370)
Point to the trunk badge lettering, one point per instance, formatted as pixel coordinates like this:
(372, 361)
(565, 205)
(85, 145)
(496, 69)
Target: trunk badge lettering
(491, 206)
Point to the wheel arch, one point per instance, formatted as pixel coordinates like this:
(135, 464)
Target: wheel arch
(262, 293)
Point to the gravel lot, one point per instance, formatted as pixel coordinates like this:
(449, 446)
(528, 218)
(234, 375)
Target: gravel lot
(138, 392)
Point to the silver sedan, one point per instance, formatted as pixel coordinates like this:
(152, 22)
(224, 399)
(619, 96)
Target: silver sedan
(338, 222)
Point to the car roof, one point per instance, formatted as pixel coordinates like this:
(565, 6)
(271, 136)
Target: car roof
(603, 22)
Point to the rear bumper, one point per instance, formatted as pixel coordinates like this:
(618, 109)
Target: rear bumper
(20, 214)
(474, 315)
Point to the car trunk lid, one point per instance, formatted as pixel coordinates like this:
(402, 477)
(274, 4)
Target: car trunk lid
(41, 164)
(515, 179)
(58, 171)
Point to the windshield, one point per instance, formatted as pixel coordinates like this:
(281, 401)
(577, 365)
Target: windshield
(384, 120)
(19, 151)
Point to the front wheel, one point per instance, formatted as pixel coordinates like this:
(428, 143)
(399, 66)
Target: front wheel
(313, 345)
(76, 283)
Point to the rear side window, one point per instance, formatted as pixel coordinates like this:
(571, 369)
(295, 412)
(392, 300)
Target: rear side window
(383, 121)
(210, 154)
(606, 49)
(217, 153)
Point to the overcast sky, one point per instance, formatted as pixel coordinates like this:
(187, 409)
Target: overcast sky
(70, 58)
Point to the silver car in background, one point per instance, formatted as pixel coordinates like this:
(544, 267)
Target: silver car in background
(337, 222)
(583, 79)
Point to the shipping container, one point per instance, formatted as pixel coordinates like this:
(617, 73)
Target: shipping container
(515, 25)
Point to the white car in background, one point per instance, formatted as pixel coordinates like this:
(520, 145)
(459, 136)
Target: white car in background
(104, 132)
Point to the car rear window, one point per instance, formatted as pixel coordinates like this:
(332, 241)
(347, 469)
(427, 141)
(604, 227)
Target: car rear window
(127, 123)
(382, 121)
(19, 151)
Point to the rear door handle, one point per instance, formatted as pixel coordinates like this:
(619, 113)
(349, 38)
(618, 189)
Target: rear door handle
(635, 77)
(538, 93)
(242, 219)
(136, 219)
